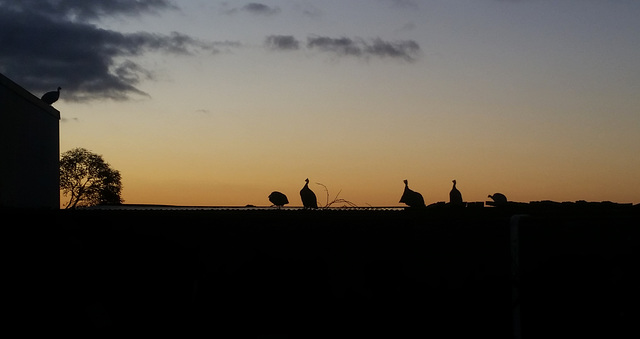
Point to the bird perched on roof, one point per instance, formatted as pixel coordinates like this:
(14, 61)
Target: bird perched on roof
(309, 199)
(411, 198)
(278, 199)
(498, 198)
(455, 197)
(51, 97)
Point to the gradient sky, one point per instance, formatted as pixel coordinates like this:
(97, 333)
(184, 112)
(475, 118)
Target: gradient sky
(200, 102)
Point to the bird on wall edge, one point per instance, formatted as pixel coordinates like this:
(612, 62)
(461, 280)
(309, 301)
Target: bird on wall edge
(498, 198)
(51, 97)
(309, 199)
(278, 199)
(410, 197)
(455, 197)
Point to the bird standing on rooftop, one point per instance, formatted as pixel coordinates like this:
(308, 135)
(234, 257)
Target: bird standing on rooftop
(455, 197)
(309, 199)
(51, 97)
(411, 198)
(278, 199)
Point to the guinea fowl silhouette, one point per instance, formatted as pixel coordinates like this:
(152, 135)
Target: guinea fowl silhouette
(455, 197)
(51, 97)
(278, 199)
(498, 198)
(309, 199)
(411, 198)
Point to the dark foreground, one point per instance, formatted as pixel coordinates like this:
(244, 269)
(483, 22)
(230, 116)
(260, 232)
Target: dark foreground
(475, 272)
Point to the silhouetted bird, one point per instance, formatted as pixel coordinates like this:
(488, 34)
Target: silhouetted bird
(455, 197)
(51, 97)
(410, 197)
(498, 198)
(308, 197)
(278, 199)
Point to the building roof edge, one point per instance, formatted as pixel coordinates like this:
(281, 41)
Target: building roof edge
(21, 91)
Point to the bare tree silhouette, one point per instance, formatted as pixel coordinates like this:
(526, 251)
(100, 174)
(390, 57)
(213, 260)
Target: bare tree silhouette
(336, 200)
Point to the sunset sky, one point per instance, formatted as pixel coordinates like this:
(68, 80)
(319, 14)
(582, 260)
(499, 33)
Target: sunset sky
(219, 103)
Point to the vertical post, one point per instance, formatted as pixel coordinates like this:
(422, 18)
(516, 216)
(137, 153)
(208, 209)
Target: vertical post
(514, 230)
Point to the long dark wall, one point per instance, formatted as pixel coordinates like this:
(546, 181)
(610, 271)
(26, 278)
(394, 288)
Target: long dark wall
(443, 273)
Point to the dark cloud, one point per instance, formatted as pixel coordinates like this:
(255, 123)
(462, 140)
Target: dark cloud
(46, 44)
(411, 4)
(405, 49)
(282, 42)
(84, 10)
(257, 8)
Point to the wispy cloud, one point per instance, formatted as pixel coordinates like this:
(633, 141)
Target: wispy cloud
(341, 46)
(257, 8)
(411, 4)
(66, 120)
(253, 8)
(282, 42)
(404, 49)
(46, 44)
(308, 10)
(407, 50)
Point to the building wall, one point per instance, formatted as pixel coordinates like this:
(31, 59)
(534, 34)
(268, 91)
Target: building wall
(29, 149)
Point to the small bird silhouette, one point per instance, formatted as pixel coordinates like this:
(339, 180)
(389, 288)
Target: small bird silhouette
(411, 198)
(51, 97)
(455, 197)
(278, 199)
(498, 198)
(309, 199)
